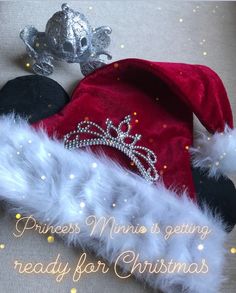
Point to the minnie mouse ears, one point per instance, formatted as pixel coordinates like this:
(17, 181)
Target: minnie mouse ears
(140, 115)
(36, 97)
(32, 97)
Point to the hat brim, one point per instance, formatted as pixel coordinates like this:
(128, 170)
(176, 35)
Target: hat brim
(39, 177)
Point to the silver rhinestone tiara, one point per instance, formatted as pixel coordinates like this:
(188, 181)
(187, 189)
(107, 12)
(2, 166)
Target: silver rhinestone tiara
(116, 137)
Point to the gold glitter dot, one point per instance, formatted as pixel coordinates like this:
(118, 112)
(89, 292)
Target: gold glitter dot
(72, 176)
(136, 121)
(135, 113)
(18, 216)
(200, 247)
(51, 239)
(2, 246)
(73, 290)
(132, 163)
(86, 118)
(165, 167)
(233, 250)
(82, 204)
(94, 165)
(122, 46)
(143, 230)
(27, 65)
(116, 65)
(187, 147)
(181, 20)
(204, 53)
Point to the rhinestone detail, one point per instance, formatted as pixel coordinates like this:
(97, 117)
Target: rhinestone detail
(143, 158)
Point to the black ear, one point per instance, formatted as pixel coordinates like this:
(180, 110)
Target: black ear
(33, 97)
(219, 194)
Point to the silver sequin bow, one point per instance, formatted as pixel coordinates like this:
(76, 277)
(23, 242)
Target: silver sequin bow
(116, 137)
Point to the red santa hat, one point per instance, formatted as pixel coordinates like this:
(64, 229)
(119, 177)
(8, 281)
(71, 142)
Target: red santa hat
(161, 99)
(136, 117)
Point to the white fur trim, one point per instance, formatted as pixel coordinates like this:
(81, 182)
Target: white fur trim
(216, 153)
(36, 178)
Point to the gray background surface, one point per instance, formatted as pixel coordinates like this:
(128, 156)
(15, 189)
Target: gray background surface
(146, 29)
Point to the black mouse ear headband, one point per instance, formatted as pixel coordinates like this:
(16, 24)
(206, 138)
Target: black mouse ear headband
(36, 97)
(32, 97)
(39, 177)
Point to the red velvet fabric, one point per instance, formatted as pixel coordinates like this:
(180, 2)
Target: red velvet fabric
(161, 97)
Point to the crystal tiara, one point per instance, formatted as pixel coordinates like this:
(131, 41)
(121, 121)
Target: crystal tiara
(117, 137)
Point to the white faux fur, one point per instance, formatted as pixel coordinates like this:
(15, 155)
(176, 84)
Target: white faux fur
(36, 178)
(216, 153)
